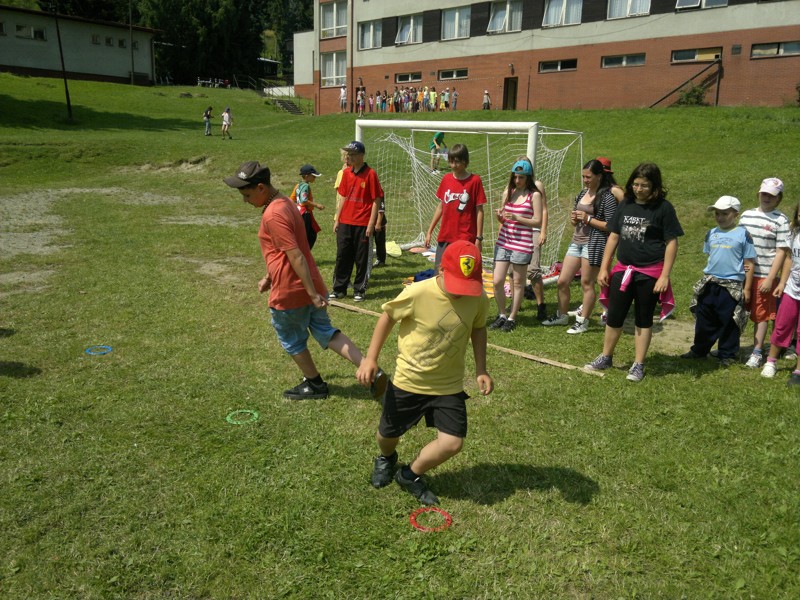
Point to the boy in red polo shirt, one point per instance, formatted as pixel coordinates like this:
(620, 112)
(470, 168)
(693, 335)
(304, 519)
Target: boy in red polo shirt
(360, 197)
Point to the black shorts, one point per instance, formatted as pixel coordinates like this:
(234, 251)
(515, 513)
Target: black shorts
(402, 410)
(639, 293)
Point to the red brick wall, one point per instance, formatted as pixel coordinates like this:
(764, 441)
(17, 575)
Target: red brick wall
(760, 82)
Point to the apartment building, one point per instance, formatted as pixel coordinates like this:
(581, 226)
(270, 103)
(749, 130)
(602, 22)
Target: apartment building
(545, 54)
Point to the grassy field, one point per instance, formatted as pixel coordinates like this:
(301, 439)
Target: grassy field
(122, 478)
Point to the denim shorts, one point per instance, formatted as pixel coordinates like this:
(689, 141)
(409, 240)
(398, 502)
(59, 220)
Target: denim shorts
(293, 326)
(578, 250)
(512, 256)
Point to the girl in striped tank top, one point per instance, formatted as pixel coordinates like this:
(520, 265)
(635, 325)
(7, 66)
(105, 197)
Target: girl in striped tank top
(519, 215)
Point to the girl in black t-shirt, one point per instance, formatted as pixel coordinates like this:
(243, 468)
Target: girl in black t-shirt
(644, 235)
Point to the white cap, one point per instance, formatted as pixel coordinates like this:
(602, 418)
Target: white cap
(772, 186)
(726, 202)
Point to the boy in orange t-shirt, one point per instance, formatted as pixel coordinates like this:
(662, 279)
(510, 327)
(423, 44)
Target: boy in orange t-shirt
(297, 294)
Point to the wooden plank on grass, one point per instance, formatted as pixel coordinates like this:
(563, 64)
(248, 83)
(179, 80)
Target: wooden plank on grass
(539, 359)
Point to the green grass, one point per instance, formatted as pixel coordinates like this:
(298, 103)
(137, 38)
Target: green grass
(120, 476)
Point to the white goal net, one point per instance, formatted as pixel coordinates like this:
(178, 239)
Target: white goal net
(399, 152)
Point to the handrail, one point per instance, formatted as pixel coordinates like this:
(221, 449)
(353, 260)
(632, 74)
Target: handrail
(716, 61)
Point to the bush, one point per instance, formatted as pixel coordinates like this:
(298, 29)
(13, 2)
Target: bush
(694, 95)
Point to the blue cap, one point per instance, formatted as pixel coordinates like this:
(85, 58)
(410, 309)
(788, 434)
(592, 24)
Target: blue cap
(522, 167)
(355, 146)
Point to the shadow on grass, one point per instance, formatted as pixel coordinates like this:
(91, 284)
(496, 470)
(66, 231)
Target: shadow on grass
(492, 483)
(659, 363)
(53, 115)
(6, 332)
(18, 370)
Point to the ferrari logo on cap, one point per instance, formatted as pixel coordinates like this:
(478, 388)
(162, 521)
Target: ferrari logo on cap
(467, 264)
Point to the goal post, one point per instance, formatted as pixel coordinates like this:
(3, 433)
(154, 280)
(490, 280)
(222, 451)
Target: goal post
(399, 151)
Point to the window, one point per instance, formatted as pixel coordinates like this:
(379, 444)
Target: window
(369, 35)
(333, 19)
(619, 9)
(109, 41)
(562, 12)
(122, 43)
(453, 74)
(333, 67)
(696, 55)
(96, 39)
(2, 28)
(777, 49)
(455, 23)
(553, 66)
(505, 17)
(409, 29)
(135, 45)
(626, 60)
(408, 77)
(700, 3)
(31, 33)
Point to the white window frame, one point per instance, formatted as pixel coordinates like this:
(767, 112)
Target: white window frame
(333, 69)
(625, 59)
(684, 4)
(506, 17)
(632, 8)
(700, 55)
(461, 22)
(408, 77)
(337, 20)
(413, 29)
(559, 65)
(448, 74)
(566, 13)
(780, 49)
(373, 31)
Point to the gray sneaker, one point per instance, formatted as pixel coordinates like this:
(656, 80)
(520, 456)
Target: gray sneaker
(600, 363)
(383, 470)
(416, 488)
(556, 320)
(636, 372)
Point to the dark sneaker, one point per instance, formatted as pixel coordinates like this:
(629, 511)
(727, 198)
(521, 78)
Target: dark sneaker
(378, 263)
(498, 322)
(727, 362)
(383, 471)
(378, 386)
(509, 325)
(692, 355)
(359, 297)
(335, 296)
(541, 312)
(416, 488)
(636, 372)
(306, 390)
(529, 295)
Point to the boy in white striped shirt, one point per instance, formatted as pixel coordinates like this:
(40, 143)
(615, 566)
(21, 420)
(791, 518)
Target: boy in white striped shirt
(769, 229)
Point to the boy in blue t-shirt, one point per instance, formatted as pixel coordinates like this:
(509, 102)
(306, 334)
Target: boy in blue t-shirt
(720, 296)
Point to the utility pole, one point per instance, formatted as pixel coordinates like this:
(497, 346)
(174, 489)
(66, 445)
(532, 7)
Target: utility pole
(63, 68)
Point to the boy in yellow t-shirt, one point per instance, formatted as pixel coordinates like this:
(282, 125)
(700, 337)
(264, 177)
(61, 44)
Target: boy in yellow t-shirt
(437, 317)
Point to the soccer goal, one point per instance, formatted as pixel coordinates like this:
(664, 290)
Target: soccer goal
(399, 152)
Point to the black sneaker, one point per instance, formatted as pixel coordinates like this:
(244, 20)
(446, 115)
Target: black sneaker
(383, 470)
(306, 390)
(691, 354)
(541, 312)
(378, 386)
(528, 293)
(416, 488)
(498, 322)
(509, 325)
(336, 296)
